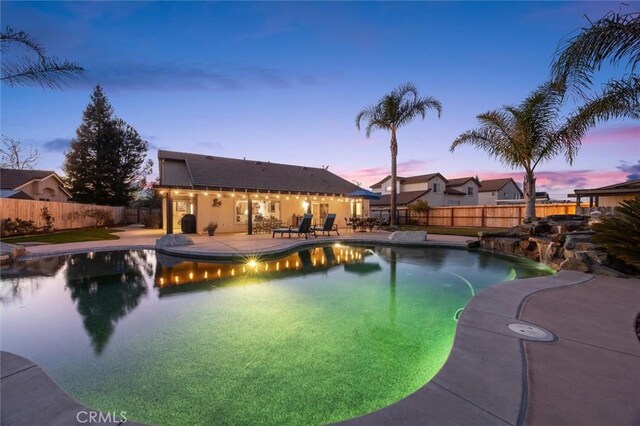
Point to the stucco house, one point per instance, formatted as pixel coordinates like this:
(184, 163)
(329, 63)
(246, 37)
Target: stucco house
(237, 194)
(608, 196)
(433, 188)
(499, 191)
(43, 185)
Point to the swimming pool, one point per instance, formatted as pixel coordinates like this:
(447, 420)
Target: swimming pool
(317, 336)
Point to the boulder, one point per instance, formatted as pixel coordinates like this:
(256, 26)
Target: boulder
(472, 244)
(173, 240)
(587, 246)
(574, 265)
(408, 236)
(9, 252)
(598, 257)
(608, 272)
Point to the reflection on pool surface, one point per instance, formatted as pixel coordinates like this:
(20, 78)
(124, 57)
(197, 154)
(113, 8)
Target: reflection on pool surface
(318, 336)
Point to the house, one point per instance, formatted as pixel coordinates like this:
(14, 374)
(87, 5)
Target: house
(43, 185)
(608, 196)
(240, 193)
(499, 191)
(433, 188)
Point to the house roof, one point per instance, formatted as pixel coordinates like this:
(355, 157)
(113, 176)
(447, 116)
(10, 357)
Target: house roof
(461, 181)
(452, 191)
(629, 187)
(496, 184)
(186, 170)
(402, 198)
(15, 178)
(10, 193)
(410, 179)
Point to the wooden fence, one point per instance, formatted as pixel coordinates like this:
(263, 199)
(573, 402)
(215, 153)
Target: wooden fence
(66, 215)
(479, 216)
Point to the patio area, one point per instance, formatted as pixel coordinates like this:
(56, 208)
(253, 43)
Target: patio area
(586, 370)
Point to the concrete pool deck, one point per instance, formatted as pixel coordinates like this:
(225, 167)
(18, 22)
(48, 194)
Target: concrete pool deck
(587, 372)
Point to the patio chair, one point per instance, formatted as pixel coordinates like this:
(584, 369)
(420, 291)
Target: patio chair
(328, 225)
(303, 229)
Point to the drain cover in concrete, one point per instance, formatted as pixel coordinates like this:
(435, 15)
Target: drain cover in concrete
(530, 332)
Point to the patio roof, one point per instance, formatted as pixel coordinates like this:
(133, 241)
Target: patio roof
(197, 171)
(629, 187)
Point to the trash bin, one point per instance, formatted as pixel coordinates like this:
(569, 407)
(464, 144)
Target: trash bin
(188, 224)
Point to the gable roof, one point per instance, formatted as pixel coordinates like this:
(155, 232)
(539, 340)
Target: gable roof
(496, 184)
(14, 178)
(410, 179)
(186, 170)
(402, 198)
(629, 187)
(461, 181)
(452, 191)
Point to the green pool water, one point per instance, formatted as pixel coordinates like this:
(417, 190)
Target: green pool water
(314, 337)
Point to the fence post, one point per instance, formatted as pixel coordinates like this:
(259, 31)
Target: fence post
(482, 221)
(452, 216)
(427, 216)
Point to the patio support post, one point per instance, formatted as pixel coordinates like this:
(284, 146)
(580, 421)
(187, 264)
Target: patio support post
(250, 215)
(169, 207)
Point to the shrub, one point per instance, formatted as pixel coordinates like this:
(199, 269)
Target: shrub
(47, 218)
(100, 216)
(10, 227)
(620, 234)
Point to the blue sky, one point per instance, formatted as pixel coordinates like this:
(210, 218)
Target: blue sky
(283, 81)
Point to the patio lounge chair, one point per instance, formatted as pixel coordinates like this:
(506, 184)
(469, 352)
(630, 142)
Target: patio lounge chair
(328, 225)
(304, 228)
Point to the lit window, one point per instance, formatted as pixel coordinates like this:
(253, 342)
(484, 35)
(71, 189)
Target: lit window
(388, 188)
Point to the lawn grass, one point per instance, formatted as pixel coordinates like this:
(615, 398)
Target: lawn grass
(447, 230)
(69, 236)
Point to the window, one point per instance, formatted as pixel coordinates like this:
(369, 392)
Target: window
(453, 202)
(435, 187)
(261, 210)
(470, 190)
(493, 193)
(505, 195)
(388, 188)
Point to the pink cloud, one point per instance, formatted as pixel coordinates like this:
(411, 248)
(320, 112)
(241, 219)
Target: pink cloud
(626, 134)
(370, 175)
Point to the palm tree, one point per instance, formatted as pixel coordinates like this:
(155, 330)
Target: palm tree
(393, 111)
(40, 71)
(526, 135)
(615, 39)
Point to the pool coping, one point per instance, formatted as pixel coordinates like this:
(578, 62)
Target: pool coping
(463, 389)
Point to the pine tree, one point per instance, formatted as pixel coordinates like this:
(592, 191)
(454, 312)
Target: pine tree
(105, 163)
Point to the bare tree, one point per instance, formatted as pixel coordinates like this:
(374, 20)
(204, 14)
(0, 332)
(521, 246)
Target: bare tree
(14, 156)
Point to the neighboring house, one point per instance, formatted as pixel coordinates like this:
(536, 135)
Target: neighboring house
(499, 191)
(433, 188)
(235, 193)
(608, 196)
(43, 185)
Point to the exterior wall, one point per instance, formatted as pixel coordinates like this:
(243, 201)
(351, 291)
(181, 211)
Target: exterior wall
(383, 187)
(465, 200)
(45, 190)
(611, 200)
(225, 214)
(418, 186)
(508, 192)
(436, 199)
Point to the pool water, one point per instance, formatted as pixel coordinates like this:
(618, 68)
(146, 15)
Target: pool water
(317, 336)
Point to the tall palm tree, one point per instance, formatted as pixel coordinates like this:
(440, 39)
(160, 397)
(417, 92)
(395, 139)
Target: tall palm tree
(41, 70)
(393, 111)
(615, 39)
(526, 135)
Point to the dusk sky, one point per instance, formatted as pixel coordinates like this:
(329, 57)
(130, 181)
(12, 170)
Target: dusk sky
(283, 82)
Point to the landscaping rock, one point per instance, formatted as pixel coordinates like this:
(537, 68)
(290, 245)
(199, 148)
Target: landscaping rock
(608, 272)
(173, 240)
(586, 246)
(574, 265)
(598, 257)
(408, 236)
(472, 244)
(10, 252)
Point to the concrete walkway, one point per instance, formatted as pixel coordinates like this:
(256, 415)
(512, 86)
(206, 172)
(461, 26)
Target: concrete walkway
(582, 366)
